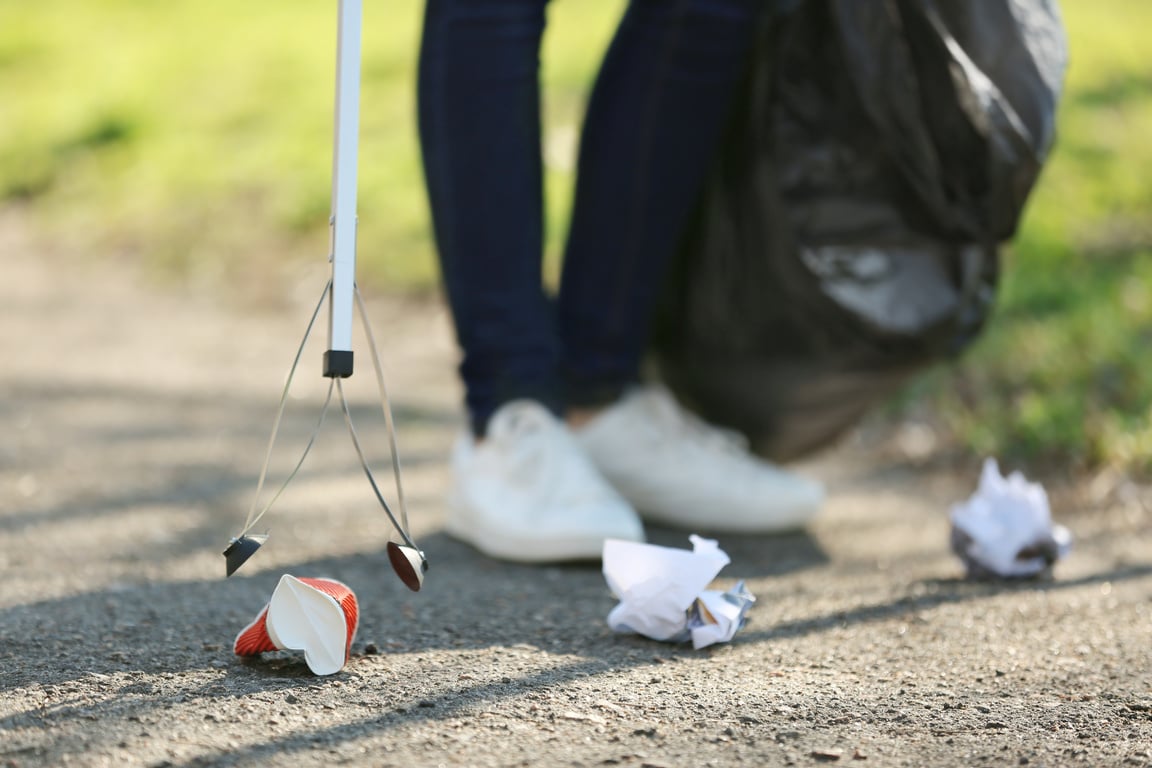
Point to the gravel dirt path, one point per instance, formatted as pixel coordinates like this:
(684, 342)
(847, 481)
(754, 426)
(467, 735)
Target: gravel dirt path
(134, 418)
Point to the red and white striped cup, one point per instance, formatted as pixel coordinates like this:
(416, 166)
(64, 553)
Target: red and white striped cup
(316, 616)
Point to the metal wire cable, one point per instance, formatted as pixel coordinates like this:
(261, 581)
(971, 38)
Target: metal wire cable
(386, 406)
(368, 471)
(253, 517)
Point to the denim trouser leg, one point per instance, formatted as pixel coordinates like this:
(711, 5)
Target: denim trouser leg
(479, 113)
(656, 115)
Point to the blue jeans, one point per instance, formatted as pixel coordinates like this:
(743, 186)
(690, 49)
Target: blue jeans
(655, 116)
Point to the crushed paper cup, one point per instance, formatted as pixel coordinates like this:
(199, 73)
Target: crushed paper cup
(1005, 529)
(316, 616)
(662, 592)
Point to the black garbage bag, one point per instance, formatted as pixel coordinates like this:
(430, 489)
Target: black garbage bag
(850, 232)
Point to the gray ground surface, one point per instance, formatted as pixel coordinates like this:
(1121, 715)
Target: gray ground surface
(133, 424)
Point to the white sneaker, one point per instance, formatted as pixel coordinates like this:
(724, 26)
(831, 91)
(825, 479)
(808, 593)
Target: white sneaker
(527, 492)
(679, 471)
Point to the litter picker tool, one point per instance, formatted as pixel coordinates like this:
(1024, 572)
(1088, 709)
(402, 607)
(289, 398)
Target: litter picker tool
(343, 298)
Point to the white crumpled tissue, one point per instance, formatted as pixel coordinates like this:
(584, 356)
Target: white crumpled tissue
(1005, 529)
(662, 592)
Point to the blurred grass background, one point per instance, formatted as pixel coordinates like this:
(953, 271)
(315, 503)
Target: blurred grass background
(194, 137)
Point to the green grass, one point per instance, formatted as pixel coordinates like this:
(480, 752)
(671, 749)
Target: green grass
(194, 136)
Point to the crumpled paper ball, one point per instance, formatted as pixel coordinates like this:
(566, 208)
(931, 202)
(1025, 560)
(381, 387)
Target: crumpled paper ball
(1005, 529)
(662, 592)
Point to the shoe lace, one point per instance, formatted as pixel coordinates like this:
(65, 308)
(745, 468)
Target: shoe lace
(525, 432)
(679, 422)
(542, 454)
(520, 420)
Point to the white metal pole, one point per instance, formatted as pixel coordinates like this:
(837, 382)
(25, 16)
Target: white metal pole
(338, 358)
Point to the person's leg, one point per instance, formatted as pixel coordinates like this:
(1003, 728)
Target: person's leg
(526, 491)
(656, 116)
(654, 120)
(479, 115)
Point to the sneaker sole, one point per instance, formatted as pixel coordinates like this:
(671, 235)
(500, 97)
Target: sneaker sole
(526, 548)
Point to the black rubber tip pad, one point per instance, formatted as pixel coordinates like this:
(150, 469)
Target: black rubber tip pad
(409, 564)
(241, 549)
